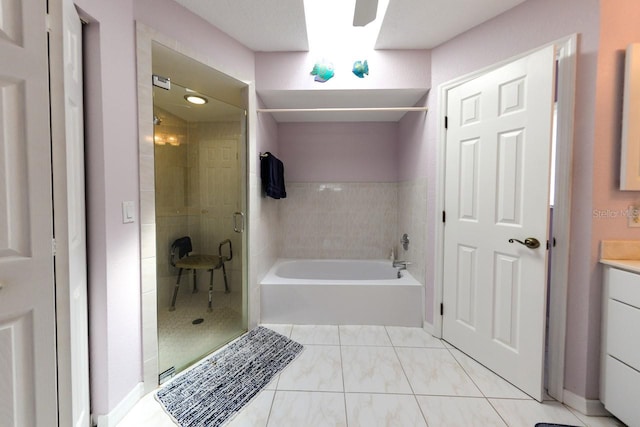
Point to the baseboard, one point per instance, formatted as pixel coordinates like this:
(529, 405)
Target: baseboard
(427, 327)
(117, 414)
(592, 408)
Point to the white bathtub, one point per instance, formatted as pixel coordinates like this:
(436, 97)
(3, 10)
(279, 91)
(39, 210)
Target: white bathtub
(340, 292)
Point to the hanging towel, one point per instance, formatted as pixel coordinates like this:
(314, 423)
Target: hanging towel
(183, 245)
(272, 174)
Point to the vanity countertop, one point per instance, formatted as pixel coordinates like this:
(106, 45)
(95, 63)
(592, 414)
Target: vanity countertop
(632, 265)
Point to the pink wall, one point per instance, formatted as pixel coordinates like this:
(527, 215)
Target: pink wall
(267, 132)
(112, 175)
(413, 149)
(523, 28)
(113, 247)
(339, 152)
(388, 70)
(619, 26)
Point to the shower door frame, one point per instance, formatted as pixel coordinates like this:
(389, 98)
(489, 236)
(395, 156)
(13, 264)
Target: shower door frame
(145, 37)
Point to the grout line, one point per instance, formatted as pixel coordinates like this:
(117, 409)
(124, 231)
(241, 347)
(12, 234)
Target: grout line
(466, 373)
(406, 377)
(484, 396)
(344, 389)
(273, 399)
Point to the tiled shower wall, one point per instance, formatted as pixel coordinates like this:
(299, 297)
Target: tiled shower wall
(180, 205)
(172, 192)
(356, 220)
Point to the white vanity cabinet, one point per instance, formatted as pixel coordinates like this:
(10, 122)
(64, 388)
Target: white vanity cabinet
(620, 363)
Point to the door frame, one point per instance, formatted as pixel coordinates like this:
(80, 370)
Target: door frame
(145, 37)
(561, 219)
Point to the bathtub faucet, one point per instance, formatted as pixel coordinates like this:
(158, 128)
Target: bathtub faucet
(400, 265)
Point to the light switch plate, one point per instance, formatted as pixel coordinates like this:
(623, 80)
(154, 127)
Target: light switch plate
(128, 213)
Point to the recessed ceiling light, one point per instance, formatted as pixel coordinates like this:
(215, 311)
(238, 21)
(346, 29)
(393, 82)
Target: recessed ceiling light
(196, 99)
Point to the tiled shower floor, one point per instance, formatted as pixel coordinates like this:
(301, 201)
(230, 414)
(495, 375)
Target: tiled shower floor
(180, 342)
(373, 376)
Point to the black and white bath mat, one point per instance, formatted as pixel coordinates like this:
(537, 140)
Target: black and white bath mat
(220, 385)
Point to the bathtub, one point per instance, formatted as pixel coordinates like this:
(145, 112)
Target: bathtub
(340, 292)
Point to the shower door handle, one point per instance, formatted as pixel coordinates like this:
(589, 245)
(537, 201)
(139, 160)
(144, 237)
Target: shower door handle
(235, 222)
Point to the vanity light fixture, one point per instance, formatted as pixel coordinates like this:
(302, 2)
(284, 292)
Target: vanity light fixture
(196, 99)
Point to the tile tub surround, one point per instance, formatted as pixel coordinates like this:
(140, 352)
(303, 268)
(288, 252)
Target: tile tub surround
(412, 219)
(311, 394)
(356, 220)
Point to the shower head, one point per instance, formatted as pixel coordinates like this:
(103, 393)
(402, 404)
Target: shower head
(156, 120)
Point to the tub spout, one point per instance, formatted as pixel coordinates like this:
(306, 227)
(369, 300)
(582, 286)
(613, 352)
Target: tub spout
(401, 264)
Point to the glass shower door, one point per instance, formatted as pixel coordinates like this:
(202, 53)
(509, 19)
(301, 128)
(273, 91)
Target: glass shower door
(200, 184)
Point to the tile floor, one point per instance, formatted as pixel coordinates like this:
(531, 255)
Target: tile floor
(180, 342)
(369, 376)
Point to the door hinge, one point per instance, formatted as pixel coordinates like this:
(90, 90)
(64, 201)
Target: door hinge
(53, 246)
(444, 216)
(548, 245)
(446, 122)
(441, 309)
(554, 242)
(48, 22)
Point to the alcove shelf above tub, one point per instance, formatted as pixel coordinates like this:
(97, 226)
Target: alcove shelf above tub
(364, 105)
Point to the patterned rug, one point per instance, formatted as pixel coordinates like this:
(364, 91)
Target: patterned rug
(219, 386)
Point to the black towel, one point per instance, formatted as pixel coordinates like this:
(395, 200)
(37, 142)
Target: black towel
(183, 244)
(272, 174)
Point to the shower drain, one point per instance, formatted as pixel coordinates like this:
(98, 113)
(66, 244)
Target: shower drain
(197, 321)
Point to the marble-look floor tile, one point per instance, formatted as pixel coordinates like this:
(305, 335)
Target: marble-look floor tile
(597, 421)
(316, 334)
(256, 412)
(526, 413)
(383, 410)
(373, 370)
(273, 384)
(281, 329)
(412, 337)
(435, 372)
(490, 384)
(317, 368)
(446, 411)
(304, 408)
(147, 412)
(364, 335)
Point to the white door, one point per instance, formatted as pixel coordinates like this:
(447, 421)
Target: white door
(76, 355)
(498, 147)
(28, 394)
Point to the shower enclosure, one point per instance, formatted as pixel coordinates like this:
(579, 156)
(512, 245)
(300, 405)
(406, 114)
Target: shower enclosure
(199, 193)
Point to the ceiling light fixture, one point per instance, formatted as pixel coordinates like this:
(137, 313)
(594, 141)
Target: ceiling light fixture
(196, 99)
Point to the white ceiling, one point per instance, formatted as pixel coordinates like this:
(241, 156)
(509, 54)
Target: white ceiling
(279, 25)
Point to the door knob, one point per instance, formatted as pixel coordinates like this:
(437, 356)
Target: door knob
(530, 242)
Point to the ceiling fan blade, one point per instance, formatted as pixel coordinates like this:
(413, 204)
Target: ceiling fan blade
(365, 12)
